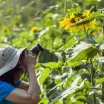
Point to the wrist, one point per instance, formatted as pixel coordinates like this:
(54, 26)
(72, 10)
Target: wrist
(30, 67)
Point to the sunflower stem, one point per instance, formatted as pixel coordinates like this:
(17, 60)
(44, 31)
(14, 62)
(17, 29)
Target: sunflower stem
(86, 32)
(92, 80)
(103, 64)
(65, 6)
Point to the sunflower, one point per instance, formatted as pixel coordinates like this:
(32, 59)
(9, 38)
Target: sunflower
(67, 22)
(73, 18)
(5, 29)
(34, 29)
(86, 14)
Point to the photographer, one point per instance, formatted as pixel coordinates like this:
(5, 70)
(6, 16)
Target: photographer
(13, 63)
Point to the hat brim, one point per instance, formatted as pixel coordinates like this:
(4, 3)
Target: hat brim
(12, 63)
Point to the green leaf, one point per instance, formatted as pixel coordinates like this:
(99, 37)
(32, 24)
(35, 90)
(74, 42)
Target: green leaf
(100, 59)
(44, 101)
(99, 39)
(102, 47)
(70, 79)
(56, 102)
(71, 89)
(75, 63)
(100, 81)
(88, 84)
(89, 2)
(69, 44)
(51, 65)
(83, 51)
(44, 74)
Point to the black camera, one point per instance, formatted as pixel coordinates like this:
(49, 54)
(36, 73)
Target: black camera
(37, 49)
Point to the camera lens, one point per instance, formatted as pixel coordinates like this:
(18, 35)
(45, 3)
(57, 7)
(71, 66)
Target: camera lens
(37, 49)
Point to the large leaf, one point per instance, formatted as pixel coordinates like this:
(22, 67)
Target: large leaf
(71, 89)
(70, 79)
(69, 44)
(44, 74)
(89, 2)
(99, 39)
(75, 63)
(83, 51)
(100, 81)
(51, 65)
(44, 101)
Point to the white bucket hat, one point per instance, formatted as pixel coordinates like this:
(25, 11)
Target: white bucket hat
(9, 57)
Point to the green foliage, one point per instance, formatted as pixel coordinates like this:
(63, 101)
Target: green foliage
(70, 69)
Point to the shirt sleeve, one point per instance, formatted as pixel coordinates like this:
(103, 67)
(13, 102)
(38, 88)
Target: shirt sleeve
(5, 89)
(18, 83)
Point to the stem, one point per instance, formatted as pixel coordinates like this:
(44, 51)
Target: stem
(103, 82)
(52, 37)
(86, 32)
(52, 44)
(103, 27)
(65, 6)
(63, 53)
(92, 81)
(103, 65)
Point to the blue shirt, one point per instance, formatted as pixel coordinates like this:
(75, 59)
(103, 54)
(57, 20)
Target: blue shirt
(5, 90)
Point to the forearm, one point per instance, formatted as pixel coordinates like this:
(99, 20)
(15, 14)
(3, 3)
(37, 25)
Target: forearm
(34, 89)
(24, 85)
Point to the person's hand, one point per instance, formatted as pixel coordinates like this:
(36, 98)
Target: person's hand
(27, 61)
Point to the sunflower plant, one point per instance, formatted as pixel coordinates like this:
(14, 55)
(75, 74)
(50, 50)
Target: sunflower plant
(69, 22)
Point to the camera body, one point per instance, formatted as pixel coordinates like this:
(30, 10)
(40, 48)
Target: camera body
(37, 49)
